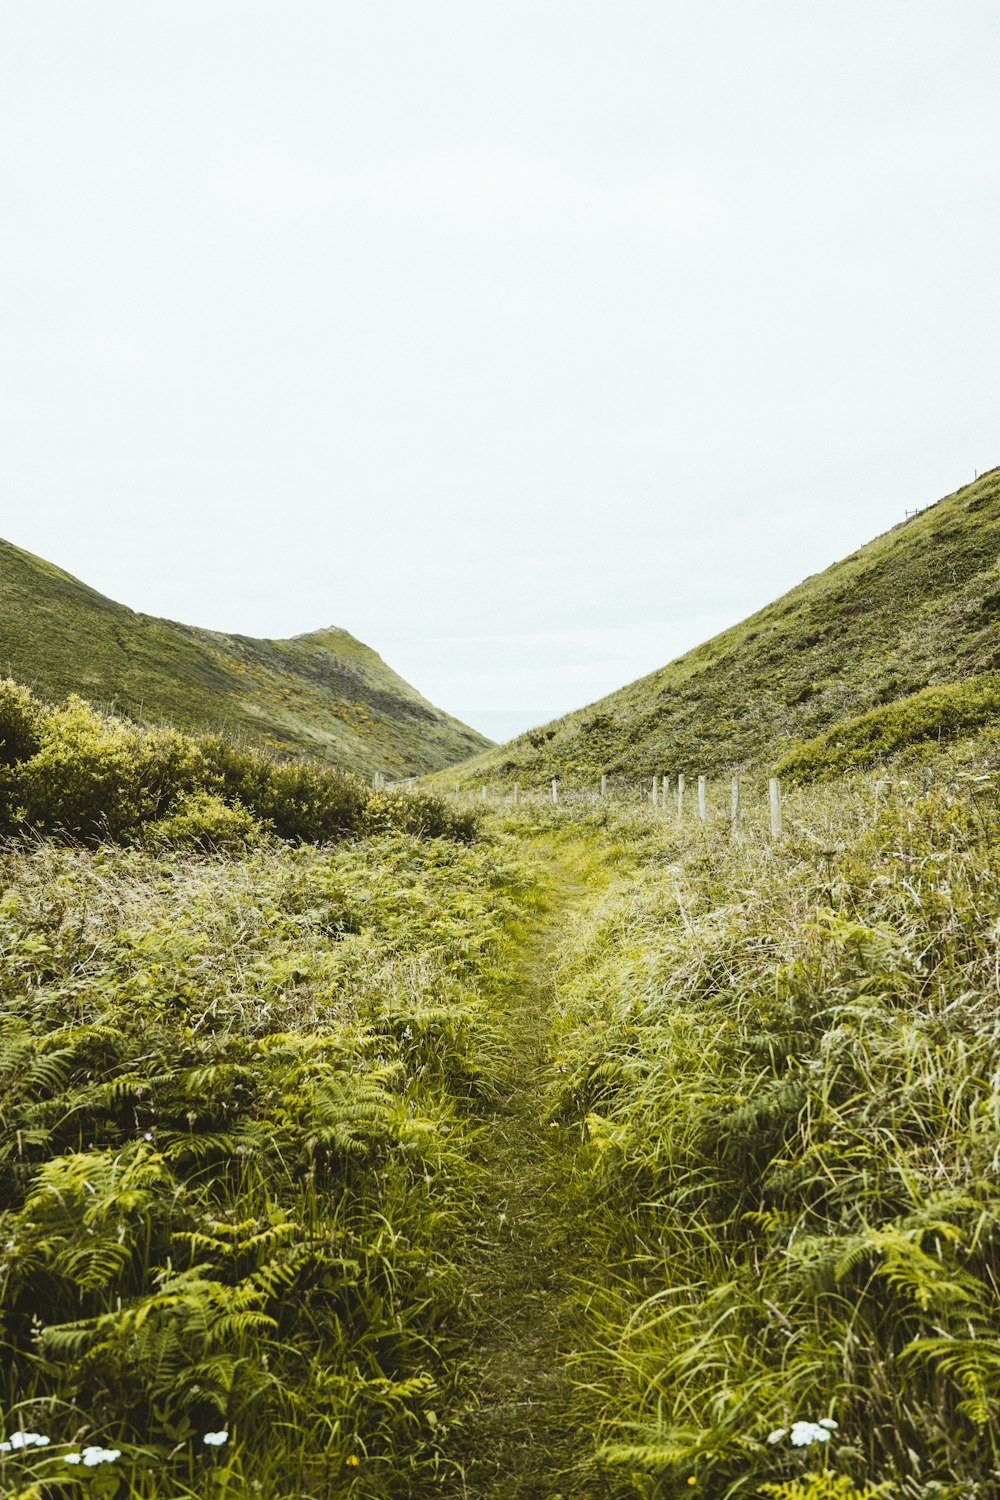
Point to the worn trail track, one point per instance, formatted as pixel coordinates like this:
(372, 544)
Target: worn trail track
(518, 1440)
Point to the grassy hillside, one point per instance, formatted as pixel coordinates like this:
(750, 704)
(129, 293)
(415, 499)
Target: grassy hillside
(325, 694)
(915, 608)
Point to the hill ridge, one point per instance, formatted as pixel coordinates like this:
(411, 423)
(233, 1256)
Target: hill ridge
(916, 606)
(323, 693)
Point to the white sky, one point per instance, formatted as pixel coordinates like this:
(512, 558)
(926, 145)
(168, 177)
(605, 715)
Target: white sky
(532, 341)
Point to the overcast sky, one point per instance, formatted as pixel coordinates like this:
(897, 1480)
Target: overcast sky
(532, 341)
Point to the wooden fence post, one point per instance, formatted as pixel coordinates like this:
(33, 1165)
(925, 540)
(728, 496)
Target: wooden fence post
(664, 784)
(774, 798)
(517, 792)
(735, 804)
(701, 799)
(484, 791)
(555, 790)
(652, 790)
(680, 799)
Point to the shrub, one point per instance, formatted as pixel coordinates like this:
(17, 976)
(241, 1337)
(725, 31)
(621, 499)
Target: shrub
(171, 767)
(20, 721)
(201, 820)
(932, 713)
(74, 772)
(419, 813)
(84, 780)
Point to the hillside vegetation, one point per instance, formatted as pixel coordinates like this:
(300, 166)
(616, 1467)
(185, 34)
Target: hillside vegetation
(323, 694)
(782, 1063)
(915, 608)
(382, 1145)
(79, 775)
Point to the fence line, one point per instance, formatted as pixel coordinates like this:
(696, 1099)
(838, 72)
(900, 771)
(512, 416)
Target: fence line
(657, 791)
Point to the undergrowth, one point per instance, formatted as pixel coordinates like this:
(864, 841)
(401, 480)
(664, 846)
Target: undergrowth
(81, 775)
(238, 1098)
(783, 1064)
(935, 714)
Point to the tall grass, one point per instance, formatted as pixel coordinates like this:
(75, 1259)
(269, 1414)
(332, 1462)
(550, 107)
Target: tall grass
(784, 1065)
(237, 1103)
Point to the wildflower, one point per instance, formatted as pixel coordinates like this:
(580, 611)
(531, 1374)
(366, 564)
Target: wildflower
(148, 1136)
(777, 1434)
(804, 1433)
(353, 1460)
(216, 1439)
(92, 1456)
(24, 1440)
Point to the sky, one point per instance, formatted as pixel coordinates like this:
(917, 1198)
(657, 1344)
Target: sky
(531, 341)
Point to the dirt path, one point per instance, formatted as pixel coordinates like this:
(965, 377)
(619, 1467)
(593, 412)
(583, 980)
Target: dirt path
(518, 1440)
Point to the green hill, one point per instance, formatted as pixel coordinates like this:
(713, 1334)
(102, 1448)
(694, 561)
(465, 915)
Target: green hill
(325, 694)
(914, 609)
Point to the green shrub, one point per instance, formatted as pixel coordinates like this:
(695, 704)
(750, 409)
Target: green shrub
(85, 780)
(298, 800)
(201, 820)
(20, 721)
(172, 766)
(419, 813)
(933, 713)
(73, 772)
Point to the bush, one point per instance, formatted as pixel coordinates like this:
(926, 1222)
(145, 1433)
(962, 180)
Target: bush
(419, 813)
(20, 720)
(299, 800)
(84, 780)
(933, 713)
(201, 820)
(74, 772)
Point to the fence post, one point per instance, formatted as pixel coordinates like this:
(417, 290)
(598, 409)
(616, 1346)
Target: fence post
(701, 798)
(555, 790)
(680, 799)
(604, 786)
(484, 791)
(735, 804)
(517, 792)
(664, 783)
(652, 790)
(774, 797)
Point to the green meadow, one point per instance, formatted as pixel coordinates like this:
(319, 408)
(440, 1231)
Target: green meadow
(390, 1143)
(557, 1151)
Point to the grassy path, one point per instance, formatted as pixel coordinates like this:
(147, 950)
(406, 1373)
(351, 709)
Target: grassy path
(519, 1440)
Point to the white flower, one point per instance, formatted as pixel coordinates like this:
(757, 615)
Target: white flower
(25, 1440)
(804, 1433)
(71, 1458)
(215, 1439)
(777, 1434)
(95, 1455)
(829, 1422)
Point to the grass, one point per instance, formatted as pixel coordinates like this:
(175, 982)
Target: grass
(934, 714)
(781, 1068)
(573, 1155)
(913, 609)
(571, 1164)
(239, 1102)
(323, 694)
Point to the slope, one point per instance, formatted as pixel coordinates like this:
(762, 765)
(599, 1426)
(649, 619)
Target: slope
(325, 694)
(915, 607)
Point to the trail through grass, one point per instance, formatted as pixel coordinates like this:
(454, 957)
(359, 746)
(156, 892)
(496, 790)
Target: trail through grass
(520, 1439)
